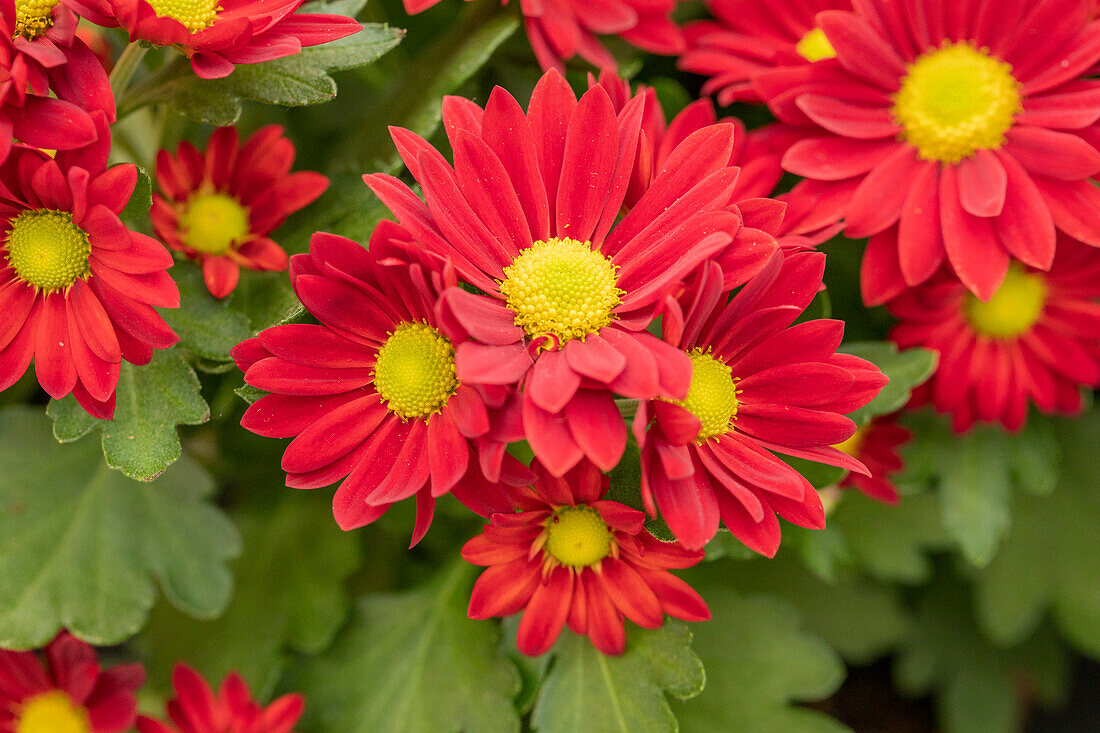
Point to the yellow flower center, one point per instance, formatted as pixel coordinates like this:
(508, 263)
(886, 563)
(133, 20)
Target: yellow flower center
(712, 396)
(561, 287)
(955, 100)
(48, 250)
(852, 445)
(415, 371)
(1013, 309)
(815, 46)
(52, 712)
(33, 18)
(577, 537)
(194, 14)
(214, 222)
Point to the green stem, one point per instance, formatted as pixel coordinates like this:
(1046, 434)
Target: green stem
(125, 67)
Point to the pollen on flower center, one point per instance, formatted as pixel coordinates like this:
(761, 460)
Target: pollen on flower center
(33, 18)
(815, 46)
(712, 396)
(577, 537)
(956, 100)
(51, 712)
(47, 250)
(415, 371)
(195, 15)
(213, 222)
(1013, 309)
(561, 287)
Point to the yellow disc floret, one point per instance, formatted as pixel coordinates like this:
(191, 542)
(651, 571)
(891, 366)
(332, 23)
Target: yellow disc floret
(712, 396)
(561, 287)
(415, 371)
(194, 14)
(51, 712)
(214, 222)
(33, 18)
(47, 250)
(815, 46)
(955, 100)
(852, 445)
(577, 537)
(1013, 309)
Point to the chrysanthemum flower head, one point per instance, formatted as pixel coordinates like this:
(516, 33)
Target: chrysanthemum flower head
(530, 216)
(196, 709)
(66, 691)
(77, 288)
(749, 39)
(568, 557)
(954, 134)
(876, 446)
(215, 34)
(1035, 341)
(759, 386)
(371, 395)
(219, 207)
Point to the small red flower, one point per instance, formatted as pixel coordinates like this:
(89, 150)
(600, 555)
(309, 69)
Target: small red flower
(77, 288)
(196, 709)
(218, 208)
(568, 557)
(68, 693)
(217, 34)
(1035, 340)
(759, 386)
(530, 215)
(876, 446)
(370, 396)
(951, 135)
(750, 39)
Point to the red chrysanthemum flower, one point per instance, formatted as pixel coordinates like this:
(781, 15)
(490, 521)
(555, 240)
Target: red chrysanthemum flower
(77, 288)
(569, 557)
(370, 395)
(750, 39)
(561, 29)
(219, 207)
(217, 34)
(759, 386)
(67, 694)
(876, 446)
(1037, 339)
(196, 709)
(530, 216)
(953, 128)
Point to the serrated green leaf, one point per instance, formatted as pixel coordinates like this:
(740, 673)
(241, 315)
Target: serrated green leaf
(207, 326)
(414, 662)
(758, 661)
(248, 393)
(266, 299)
(137, 209)
(290, 595)
(81, 545)
(906, 370)
(586, 690)
(151, 400)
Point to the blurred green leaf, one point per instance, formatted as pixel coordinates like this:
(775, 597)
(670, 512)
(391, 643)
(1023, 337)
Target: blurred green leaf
(81, 545)
(137, 209)
(906, 370)
(586, 690)
(414, 662)
(207, 326)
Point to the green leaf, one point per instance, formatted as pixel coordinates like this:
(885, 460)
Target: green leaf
(290, 595)
(137, 209)
(414, 662)
(151, 400)
(265, 299)
(1051, 558)
(906, 370)
(207, 326)
(81, 546)
(759, 661)
(292, 81)
(586, 690)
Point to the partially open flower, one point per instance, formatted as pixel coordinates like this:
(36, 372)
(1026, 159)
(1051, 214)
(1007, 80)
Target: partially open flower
(876, 446)
(570, 557)
(69, 693)
(219, 207)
